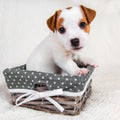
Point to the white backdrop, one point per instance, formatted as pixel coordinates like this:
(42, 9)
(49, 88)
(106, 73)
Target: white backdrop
(23, 26)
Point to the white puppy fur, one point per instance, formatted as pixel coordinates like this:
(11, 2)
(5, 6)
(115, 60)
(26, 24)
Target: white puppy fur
(55, 53)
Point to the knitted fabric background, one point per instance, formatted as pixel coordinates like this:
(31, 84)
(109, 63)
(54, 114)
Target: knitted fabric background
(23, 26)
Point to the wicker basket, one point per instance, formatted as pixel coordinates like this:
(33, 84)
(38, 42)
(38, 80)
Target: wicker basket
(72, 104)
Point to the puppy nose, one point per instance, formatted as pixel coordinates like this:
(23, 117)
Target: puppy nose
(75, 42)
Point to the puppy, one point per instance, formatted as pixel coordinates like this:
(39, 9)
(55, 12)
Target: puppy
(70, 28)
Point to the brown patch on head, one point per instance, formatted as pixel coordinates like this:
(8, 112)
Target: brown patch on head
(88, 13)
(88, 16)
(59, 23)
(51, 22)
(87, 28)
(68, 8)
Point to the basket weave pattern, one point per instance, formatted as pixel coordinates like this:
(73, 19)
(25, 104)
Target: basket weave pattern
(72, 105)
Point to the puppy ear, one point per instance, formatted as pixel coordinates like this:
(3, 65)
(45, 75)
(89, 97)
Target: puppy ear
(51, 22)
(89, 13)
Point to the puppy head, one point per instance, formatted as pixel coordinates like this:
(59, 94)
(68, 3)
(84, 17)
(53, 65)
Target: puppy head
(72, 26)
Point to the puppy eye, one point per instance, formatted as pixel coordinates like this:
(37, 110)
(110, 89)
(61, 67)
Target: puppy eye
(83, 25)
(61, 30)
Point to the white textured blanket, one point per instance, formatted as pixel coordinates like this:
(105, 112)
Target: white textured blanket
(23, 22)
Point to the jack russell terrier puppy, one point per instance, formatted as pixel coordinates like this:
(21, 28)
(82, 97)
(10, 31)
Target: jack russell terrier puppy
(70, 28)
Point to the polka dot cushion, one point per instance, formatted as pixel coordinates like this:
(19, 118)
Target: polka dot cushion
(20, 78)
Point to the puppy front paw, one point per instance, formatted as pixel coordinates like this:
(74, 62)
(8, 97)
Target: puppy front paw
(89, 61)
(93, 65)
(83, 71)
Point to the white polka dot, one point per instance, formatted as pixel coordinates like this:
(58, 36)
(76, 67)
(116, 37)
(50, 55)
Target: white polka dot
(50, 86)
(58, 86)
(28, 77)
(75, 79)
(32, 80)
(25, 72)
(24, 83)
(62, 83)
(8, 80)
(14, 80)
(70, 89)
(39, 81)
(9, 76)
(66, 86)
(75, 86)
(66, 79)
(54, 82)
(46, 81)
(28, 86)
(35, 77)
(20, 80)
(78, 90)
(50, 78)
(79, 83)
(47, 74)
(70, 83)
(30, 83)
(83, 84)
(43, 77)
(12, 73)
(16, 86)
(12, 83)
(26, 80)
(22, 76)
(18, 72)
(32, 73)
(10, 86)
(54, 74)
(58, 78)
(39, 73)
(23, 86)
(15, 76)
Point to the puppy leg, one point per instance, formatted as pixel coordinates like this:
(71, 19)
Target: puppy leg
(70, 67)
(88, 61)
(84, 61)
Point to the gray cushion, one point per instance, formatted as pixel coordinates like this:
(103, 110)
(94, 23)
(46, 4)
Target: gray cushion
(20, 78)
